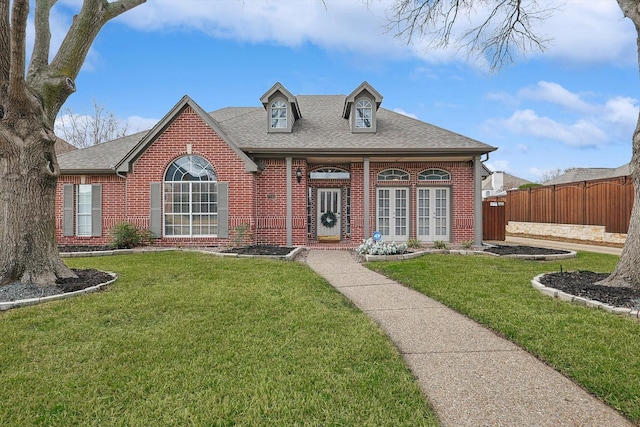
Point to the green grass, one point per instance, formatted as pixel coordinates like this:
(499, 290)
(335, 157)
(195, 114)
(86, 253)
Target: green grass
(191, 339)
(599, 350)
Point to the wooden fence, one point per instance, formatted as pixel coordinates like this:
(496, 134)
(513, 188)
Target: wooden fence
(605, 202)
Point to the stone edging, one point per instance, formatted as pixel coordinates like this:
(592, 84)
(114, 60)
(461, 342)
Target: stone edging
(563, 296)
(33, 301)
(368, 258)
(288, 257)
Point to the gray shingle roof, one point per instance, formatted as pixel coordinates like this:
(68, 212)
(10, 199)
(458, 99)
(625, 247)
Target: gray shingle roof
(321, 129)
(588, 174)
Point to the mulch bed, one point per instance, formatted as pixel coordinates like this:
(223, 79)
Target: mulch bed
(583, 284)
(523, 250)
(271, 250)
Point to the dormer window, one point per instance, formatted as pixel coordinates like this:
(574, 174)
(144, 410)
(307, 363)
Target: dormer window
(282, 109)
(361, 108)
(364, 114)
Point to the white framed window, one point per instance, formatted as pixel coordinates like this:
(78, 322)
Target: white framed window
(83, 210)
(434, 175)
(278, 114)
(190, 198)
(393, 175)
(364, 114)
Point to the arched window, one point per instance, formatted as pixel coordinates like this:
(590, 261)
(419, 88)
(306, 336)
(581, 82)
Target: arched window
(329, 173)
(278, 114)
(190, 198)
(393, 175)
(434, 175)
(364, 114)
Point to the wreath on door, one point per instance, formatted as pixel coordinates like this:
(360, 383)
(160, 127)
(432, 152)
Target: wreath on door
(328, 219)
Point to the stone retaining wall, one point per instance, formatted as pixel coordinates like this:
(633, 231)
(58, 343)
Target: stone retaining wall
(566, 232)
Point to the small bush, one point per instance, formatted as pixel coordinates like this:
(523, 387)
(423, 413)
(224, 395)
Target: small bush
(466, 244)
(240, 233)
(414, 244)
(126, 236)
(371, 247)
(439, 244)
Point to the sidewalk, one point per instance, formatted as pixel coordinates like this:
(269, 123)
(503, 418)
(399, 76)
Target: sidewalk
(470, 376)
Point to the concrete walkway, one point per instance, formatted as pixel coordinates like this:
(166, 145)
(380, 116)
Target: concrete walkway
(470, 376)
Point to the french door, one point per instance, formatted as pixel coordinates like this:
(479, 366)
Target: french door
(328, 213)
(433, 214)
(393, 213)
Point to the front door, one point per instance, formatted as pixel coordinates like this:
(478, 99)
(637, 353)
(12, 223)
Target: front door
(393, 214)
(328, 213)
(433, 214)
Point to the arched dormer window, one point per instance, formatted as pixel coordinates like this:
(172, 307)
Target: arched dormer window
(434, 175)
(278, 114)
(190, 198)
(364, 114)
(393, 175)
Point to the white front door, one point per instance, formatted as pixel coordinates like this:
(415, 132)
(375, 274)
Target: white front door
(393, 213)
(433, 214)
(328, 212)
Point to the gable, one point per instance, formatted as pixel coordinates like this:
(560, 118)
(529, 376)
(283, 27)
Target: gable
(185, 104)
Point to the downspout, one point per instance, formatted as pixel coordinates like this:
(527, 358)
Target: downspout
(289, 222)
(365, 196)
(477, 200)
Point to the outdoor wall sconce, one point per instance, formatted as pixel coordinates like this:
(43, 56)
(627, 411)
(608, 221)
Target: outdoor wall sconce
(298, 175)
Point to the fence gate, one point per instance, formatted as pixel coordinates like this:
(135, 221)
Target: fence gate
(493, 220)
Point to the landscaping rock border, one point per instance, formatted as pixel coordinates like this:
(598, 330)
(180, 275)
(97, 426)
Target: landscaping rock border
(563, 296)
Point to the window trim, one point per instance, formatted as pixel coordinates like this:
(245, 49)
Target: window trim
(363, 105)
(206, 175)
(434, 174)
(285, 120)
(396, 175)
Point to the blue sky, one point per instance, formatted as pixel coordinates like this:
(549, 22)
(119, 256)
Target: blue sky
(574, 105)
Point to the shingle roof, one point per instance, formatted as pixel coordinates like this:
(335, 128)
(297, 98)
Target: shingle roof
(588, 174)
(321, 129)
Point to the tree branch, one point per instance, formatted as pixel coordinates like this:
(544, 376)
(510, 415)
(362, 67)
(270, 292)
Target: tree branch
(19, 16)
(5, 43)
(42, 43)
(507, 26)
(84, 29)
(56, 81)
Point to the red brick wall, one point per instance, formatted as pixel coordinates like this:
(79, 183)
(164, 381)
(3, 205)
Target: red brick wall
(260, 200)
(129, 200)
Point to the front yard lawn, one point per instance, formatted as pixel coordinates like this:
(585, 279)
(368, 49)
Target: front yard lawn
(192, 339)
(597, 349)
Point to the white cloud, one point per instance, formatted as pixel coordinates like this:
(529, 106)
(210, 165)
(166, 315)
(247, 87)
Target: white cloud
(584, 124)
(498, 165)
(138, 124)
(578, 134)
(556, 94)
(404, 113)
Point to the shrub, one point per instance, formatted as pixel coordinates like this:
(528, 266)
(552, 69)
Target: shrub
(414, 243)
(439, 244)
(371, 247)
(126, 236)
(240, 233)
(466, 244)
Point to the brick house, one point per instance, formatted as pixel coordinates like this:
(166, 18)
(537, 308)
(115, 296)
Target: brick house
(298, 170)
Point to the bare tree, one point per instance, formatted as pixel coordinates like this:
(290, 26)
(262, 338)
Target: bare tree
(505, 26)
(29, 104)
(87, 130)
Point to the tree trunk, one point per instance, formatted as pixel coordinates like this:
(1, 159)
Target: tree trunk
(28, 178)
(627, 272)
